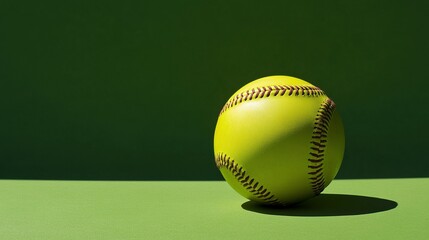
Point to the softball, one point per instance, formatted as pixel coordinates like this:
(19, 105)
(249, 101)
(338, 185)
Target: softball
(279, 141)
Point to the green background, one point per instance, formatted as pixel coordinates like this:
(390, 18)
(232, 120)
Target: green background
(132, 89)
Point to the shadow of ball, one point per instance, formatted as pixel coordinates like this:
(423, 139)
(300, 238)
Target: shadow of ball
(327, 205)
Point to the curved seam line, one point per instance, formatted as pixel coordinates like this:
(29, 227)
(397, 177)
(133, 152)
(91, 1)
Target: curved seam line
(249, 183)
(318, 146)
(271, 91)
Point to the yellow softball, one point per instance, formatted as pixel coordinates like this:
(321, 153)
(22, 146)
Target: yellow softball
(279, 140)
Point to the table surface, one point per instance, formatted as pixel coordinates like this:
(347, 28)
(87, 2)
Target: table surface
(348, 209)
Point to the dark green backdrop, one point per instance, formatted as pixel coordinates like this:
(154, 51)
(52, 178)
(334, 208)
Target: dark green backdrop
(132, 89)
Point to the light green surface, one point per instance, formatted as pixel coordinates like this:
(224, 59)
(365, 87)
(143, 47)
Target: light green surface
(207, 210)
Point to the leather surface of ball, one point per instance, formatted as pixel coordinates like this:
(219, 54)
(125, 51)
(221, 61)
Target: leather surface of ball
(279, 140)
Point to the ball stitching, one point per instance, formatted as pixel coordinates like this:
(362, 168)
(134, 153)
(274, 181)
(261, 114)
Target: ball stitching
(271, 91)
(318, 142)
(249, 183)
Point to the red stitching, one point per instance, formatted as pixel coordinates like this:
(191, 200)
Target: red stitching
(271, 91)
(251, 185)
(320, 134)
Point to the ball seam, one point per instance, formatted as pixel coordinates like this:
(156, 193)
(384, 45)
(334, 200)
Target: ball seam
(318, 142)
(272, 91)
(250, 184)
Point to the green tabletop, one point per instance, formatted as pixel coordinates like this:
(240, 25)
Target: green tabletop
(348, 209)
